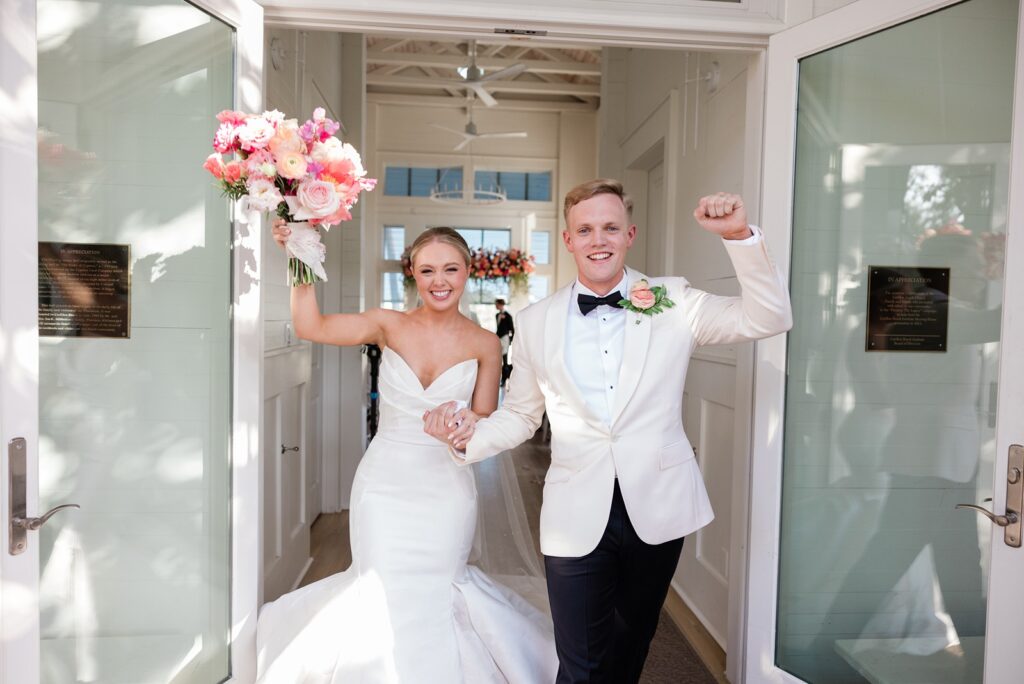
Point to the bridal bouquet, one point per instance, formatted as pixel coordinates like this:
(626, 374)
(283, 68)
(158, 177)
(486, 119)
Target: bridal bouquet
(303, 173)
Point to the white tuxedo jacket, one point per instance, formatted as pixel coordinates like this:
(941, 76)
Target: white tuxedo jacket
(644, 446)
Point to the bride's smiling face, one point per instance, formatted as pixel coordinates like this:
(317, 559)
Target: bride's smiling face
(441, 273)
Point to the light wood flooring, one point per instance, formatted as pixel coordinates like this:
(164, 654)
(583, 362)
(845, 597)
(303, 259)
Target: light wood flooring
(678, 632)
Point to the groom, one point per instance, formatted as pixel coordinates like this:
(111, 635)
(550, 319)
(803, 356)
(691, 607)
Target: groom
(623, 488)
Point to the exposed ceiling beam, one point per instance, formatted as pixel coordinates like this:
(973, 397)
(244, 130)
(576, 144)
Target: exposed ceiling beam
(532, 87)
(393, 45)
(537, 66)
(411, 100)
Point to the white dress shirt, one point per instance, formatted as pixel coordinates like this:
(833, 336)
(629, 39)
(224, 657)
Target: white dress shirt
(594, 344)
(593, 349)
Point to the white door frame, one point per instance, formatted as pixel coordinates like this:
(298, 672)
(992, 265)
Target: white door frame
(19, 339)
(785, 49)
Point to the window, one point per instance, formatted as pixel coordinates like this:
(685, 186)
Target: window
(486, 291)
(540, 247)
(392, 291)
(539, 287)
(534, 186)
(488, 238)
(394, 242)
(406, 181)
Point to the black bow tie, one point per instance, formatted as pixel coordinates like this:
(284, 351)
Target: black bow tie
(588, 302)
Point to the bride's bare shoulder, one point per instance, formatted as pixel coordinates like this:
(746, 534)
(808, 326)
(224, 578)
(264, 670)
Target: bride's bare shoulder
(483, 342)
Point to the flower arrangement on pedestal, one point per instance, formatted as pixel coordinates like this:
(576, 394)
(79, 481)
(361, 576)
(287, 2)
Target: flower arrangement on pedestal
(511, 265)
(303, 173)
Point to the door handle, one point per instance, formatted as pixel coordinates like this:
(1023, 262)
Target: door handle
(36, 523)
(1011, 520)
(19, 524)
(284, 448)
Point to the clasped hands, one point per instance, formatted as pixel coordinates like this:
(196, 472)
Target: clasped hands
(450, 424)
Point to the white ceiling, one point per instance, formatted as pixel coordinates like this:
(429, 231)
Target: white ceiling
(428, 68)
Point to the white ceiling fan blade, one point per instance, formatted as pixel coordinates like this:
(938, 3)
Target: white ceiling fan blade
(481, 93)
(511, 134)
(465, 141)
(445, 128)
(506, 73)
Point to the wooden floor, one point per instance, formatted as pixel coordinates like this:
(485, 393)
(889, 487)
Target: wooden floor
(331, 553)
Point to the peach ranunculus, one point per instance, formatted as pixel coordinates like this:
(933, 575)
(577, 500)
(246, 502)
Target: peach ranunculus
(286, 140)
(215, 165)
(291, 165)
(641, 296)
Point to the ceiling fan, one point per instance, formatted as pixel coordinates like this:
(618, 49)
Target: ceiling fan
(473, 77)
(470, 133)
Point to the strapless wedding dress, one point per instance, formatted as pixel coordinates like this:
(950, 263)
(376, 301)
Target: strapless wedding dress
(409, 610)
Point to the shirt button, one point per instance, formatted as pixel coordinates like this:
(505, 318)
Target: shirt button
(611, 386)
(605, 351)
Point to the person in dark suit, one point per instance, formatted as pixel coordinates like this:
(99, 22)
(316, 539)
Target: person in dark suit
(506, 331)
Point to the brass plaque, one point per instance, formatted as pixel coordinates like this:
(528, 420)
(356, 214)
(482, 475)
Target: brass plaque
(908, 309)
(84, 290)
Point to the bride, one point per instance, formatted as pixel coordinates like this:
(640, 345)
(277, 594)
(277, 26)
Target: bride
(410, 609)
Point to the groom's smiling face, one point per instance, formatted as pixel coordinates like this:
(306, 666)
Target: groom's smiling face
(598, 235)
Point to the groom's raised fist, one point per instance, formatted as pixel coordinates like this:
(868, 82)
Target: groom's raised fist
(724, 215)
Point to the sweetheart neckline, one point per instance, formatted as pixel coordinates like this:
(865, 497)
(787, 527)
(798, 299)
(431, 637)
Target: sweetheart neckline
(439, 375)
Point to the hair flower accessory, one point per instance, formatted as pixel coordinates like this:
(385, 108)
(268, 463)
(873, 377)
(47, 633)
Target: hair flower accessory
(646, 300)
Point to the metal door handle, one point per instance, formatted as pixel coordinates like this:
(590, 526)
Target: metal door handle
(284, 448)
(19, 523)
(1002, 520)
(1010, 522)
(36, 523)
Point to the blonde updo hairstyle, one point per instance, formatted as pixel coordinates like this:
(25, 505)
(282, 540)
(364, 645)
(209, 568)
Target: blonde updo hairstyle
(443, 234)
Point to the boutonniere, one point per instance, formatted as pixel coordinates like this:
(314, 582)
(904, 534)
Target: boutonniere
(647, 300)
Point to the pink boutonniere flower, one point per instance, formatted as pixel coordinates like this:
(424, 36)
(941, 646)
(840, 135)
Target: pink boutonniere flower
(647, 300)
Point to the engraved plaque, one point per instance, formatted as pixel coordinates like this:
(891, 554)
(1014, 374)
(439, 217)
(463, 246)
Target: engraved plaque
(908, 309)
(84, 290)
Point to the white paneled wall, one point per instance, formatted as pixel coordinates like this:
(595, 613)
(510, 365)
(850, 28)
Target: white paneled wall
(322, 69)
(661, 123)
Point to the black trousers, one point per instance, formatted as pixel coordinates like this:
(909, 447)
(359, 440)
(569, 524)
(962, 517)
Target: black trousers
(605, 605)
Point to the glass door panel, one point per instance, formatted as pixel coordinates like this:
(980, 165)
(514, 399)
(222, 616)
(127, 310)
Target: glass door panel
(899, 226)
(135, 587)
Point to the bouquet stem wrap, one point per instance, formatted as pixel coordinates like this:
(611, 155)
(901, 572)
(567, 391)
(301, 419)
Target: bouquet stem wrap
(306, 254)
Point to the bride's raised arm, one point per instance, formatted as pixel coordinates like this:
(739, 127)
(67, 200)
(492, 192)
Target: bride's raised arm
(338, 329)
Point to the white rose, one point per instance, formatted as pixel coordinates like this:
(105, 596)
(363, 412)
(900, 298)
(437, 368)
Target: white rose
(263, 195)
(323, 152)
(256, 133)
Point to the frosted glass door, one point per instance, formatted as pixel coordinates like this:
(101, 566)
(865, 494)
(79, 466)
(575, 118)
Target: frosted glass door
(135, 587)
(902, 187)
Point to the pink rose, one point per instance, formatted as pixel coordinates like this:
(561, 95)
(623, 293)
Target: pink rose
(641, 296)
(215, 165)
(291, 165)
(337, 217)
(232, 171)
(314, 200)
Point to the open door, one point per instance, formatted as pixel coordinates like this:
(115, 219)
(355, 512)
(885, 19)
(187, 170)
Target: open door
(894, 166)
(130, 345)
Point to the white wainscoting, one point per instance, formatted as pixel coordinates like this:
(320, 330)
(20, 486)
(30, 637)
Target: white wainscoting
(290, 479)
(702, 578)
